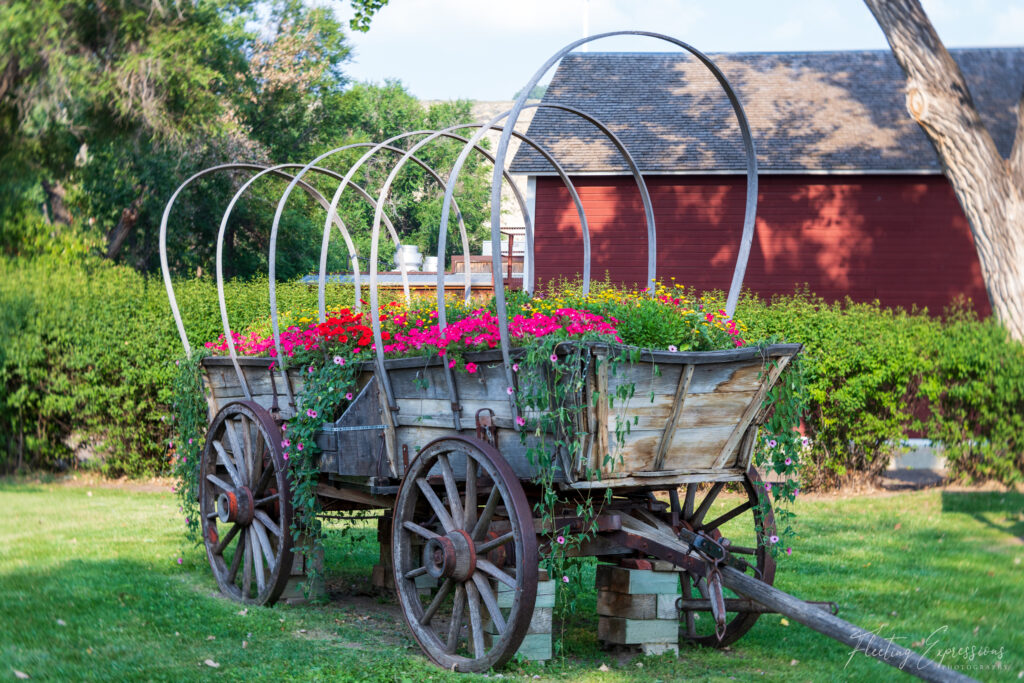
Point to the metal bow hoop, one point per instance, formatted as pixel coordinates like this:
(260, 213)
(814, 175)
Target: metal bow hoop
(748, 146)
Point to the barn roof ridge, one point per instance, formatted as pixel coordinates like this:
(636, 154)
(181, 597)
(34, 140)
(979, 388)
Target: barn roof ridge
(835, 111)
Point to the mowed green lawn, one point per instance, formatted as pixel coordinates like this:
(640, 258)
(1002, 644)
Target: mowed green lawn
(90, 588)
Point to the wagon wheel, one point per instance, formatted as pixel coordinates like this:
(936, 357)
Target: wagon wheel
(743, 521)
(245, 504)
(465, 554)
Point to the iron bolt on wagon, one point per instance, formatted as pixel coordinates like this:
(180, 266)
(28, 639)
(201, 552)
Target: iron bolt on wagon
(447, 454)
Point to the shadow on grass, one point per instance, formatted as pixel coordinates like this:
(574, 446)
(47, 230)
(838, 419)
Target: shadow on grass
(1001, 511)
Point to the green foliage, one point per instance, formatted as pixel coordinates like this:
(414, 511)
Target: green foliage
(87, 366)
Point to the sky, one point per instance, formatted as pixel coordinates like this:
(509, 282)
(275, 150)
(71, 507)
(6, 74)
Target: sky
(487, 50)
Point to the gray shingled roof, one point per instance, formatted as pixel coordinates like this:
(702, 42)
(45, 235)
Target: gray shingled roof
(809, 111)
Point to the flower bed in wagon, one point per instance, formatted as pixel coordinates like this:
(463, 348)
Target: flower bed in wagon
(548, 335)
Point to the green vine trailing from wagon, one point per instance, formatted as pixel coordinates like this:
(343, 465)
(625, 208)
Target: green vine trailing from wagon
(190, 422)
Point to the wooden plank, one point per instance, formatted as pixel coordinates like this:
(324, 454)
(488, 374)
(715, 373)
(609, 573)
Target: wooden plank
(637, 631)
(601, 388)
(729, 449)
(635, 581)
(677, 405)
(747, 447)
(667, 478)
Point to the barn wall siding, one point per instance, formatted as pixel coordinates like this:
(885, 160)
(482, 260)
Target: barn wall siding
(901, 239)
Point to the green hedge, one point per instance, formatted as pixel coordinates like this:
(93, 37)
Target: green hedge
(89, 350)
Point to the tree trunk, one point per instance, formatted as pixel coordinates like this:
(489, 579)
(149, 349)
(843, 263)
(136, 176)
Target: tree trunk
(990, 189)
(125, 225)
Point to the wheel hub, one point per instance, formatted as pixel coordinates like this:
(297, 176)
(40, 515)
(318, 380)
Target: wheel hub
(450, 556)
(236, 507)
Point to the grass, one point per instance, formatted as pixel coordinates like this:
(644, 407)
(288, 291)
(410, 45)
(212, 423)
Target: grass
(92, 590)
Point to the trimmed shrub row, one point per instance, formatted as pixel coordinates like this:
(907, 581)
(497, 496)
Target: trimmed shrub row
(89, 350)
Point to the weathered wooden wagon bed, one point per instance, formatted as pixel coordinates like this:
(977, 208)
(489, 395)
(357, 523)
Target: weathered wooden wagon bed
(443, 451)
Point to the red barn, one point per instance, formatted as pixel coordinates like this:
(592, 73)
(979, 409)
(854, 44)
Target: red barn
(852, 198)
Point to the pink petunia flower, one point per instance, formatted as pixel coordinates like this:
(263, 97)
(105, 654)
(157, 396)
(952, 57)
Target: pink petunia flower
(673, 348)
(311, 369)
(510, 391)
(768, 486)
(471, 368)
(560, 540)
(565, 579)
(554, 358)
(515, 367)
(338, 360)
(299, 447)
(789, 551)
(286, 443)
(451, 363)
(772, 444)
(179, 560)
(348, 396)
(773, 538)
(311, 412)
(285, 456)
(789, 461)
(521, 421)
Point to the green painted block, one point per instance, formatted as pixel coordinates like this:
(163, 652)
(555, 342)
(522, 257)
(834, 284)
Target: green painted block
(635, 581)
(536, 647)
(636, 631)
(545, 594)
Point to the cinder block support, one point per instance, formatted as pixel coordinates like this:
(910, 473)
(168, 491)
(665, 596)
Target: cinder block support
(295, 591)
(636, 608)
(536, 646)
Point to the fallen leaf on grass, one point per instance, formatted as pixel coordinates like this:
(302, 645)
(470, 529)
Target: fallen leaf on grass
(794, 662)
(245, 644)
(243, 612)
(211, 637)
(898, 525)
(210, 663)
(784, 621)
(61, 622)
(603, 667)
(21, 674)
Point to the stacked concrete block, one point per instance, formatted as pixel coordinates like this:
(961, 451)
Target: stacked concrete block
(637, 608)
(536, 646)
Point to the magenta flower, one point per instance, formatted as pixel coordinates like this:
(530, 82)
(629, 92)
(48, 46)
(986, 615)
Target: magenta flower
(348, 396)
(299, 447)
(560, 540)
(471, 368)
(284, 428)
(285, 443)
(190, 442)
(673, 348)
(789, 551)
(565, 579)
(773, 538)
(179, 560)
(789, 461)
(311, 369)
(510, 391)
(768, 486)
(311, 412)
(554, 358)
(338, 360)
(521, 421)
(285, 456)
(451, 363)
(515, 367)
(772, 443)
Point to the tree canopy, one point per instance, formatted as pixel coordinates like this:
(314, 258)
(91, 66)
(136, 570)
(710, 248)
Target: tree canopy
(105, 107)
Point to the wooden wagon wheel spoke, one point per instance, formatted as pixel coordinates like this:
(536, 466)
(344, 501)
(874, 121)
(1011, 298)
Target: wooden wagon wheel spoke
(469, 507)
(436, 505)
(731, 514)
(490, 602)
(488, 546)
(489, 568)
(265, 520)
(217, 481)
(691, 497)
(455, 625)
(454, 498)
(475, 620)
(487, 514)
(235, 514)
(483, 532)
(224, 459)
(419, 531)
(705, 505)
(237, 450)
(435, 604)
